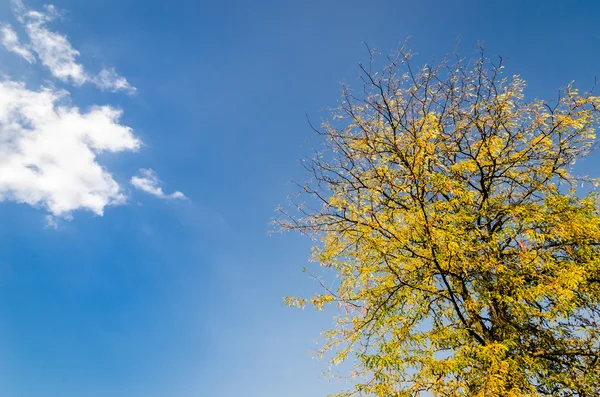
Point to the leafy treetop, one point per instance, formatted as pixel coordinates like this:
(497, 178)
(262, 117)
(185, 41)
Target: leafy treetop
(467, 264)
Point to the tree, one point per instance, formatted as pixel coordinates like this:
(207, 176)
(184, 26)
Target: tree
(467, 262)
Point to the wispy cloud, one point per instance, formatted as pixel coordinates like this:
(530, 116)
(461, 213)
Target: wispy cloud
(10, 40)
(148, 182)
(109, 80)
(58, 55)
(48, 151)
(54, 50)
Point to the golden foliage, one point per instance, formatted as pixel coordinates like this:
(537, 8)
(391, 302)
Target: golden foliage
(467, 263)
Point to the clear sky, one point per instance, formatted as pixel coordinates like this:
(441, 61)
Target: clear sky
(136, 259)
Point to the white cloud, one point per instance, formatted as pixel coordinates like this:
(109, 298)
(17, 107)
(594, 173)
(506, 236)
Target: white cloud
(148, 182)
(109, 80)
(58, 55)
(10, 40)
(48, 151)
(48, 146)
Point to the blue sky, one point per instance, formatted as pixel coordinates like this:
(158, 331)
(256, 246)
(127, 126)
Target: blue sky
(113, 286)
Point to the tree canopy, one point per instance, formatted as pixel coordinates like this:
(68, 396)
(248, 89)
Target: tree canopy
(466, 255)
